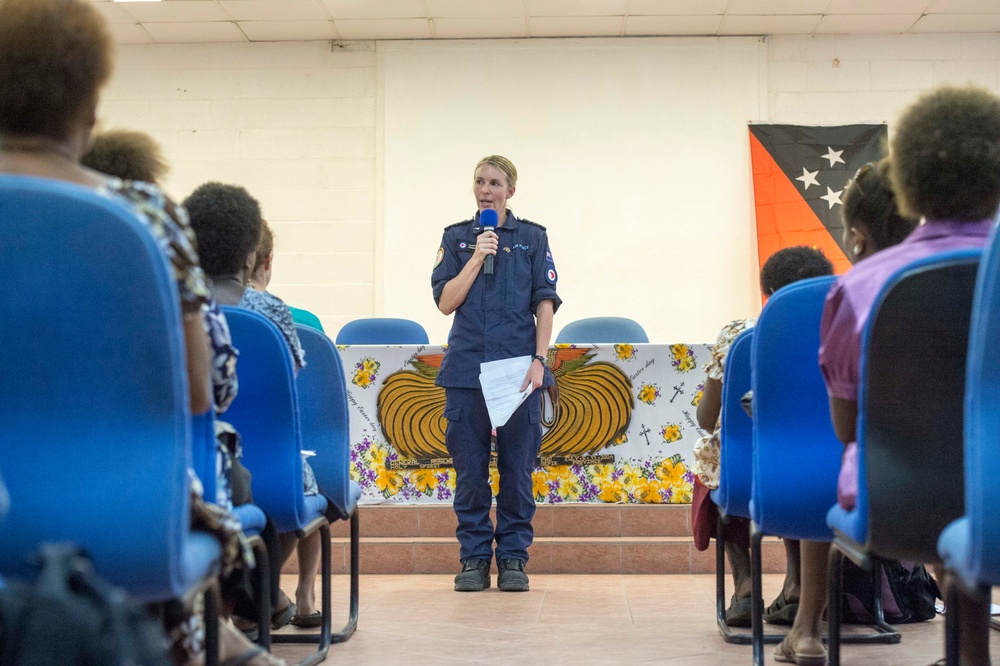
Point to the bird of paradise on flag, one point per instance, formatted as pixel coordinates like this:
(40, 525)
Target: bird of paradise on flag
(595, 400)
(799, 177)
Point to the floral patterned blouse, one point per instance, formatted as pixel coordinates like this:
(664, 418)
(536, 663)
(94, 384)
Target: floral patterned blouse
(172, 230)
(169, 225)
(274, 308)
(706, 449)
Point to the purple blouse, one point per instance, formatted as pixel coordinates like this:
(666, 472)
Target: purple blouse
(850, 301)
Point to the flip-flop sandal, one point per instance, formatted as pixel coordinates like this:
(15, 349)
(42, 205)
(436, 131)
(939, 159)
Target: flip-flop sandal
(781, 611)
(312, 620)
(739, 613)
(786, 655)
(282, 617)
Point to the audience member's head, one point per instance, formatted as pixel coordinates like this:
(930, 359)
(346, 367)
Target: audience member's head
(126, 154)
(792, 264)
(261, 275)
(872, 221)
(946, 156)
(54, 57)
(227, 221)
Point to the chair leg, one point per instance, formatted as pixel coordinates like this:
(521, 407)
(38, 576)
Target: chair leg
(880, 623)
(951, 625)
(323, 637)
(835, 586)
(211, 618)
(720, 580)
(262, 592)
(352, 621)
(757, 603)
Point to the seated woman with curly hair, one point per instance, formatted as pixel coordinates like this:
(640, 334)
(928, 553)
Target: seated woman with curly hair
(229, 225)
(55, 56)
(945, 170)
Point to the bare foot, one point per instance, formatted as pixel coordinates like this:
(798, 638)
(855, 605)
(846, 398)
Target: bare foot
(305, 601)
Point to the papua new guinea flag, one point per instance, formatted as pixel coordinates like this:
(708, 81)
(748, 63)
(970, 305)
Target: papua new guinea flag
(799, 176)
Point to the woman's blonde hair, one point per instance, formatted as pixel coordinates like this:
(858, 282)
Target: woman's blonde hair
(502, 163)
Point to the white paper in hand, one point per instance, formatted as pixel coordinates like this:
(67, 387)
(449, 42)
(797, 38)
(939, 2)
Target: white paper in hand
(501, 382)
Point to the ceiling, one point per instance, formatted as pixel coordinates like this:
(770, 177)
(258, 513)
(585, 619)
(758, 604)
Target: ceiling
(185, 21)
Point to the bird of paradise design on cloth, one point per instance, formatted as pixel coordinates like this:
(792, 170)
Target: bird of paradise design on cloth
(594, 409)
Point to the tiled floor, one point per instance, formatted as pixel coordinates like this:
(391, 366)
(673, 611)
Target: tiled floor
(567, 619)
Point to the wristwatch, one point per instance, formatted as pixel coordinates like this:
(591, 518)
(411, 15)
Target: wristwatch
(540, 358)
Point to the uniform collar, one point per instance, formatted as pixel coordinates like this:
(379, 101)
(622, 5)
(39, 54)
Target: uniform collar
(509, 223)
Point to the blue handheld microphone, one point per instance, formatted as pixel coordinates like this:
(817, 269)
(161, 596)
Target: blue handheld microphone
(488, 221)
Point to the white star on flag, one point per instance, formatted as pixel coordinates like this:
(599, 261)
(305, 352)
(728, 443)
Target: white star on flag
(808, 178)
(834, 156)
(832, 197)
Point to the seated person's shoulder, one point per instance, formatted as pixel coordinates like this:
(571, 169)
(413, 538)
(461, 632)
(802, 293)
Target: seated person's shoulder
(266, 304)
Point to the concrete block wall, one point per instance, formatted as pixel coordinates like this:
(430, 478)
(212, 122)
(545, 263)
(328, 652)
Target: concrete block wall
(863, 78)
(296, 124)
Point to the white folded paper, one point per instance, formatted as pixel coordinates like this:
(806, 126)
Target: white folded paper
(501, 381)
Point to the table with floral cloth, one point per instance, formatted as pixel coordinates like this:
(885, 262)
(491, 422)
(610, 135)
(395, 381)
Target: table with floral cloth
(623, 431)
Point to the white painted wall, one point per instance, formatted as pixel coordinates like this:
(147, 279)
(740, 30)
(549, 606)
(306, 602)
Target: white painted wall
(299, 125)
(637, 167)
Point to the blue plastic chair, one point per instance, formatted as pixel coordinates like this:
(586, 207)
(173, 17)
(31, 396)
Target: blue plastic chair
(94, 417)
(382, 331)
(266, 414)
(970, 546)
(732, 497)
(735, 464)
(203, 453)
(910, 403)
(325, 424)
(791, 431)
(602, 330)
(251, 517)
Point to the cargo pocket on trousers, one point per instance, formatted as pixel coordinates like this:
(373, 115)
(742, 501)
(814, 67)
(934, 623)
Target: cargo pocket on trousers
(453, 413)
(534, 410)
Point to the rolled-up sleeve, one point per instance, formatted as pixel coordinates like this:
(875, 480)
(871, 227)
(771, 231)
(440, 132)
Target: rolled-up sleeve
(840, 345)
(544, 277)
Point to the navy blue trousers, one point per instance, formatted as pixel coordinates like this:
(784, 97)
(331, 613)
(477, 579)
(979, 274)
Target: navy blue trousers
(518, 444)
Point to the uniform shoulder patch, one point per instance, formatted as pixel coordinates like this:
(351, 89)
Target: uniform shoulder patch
(550, 275)
(534, 224)
(439, 258)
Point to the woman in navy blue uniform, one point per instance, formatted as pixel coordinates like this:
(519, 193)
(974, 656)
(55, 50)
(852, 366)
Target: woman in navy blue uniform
(503, 315)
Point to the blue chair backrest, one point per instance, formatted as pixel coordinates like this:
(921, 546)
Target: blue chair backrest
(203, 453)
(910, 405)
(982, 419)
(266, 414)
(94, 418)
(602, 329)
(324, 415)
(796, 455)
(382, 331)
(736, 460)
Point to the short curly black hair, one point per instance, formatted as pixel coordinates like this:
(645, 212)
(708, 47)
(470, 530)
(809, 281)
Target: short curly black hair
(946, 155)
(54, 57)
(227, 221)
(870, 204)
(127, 154)
(792, 264)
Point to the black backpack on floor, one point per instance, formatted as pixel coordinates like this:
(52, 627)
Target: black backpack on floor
(908, 594)
(69, 615)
